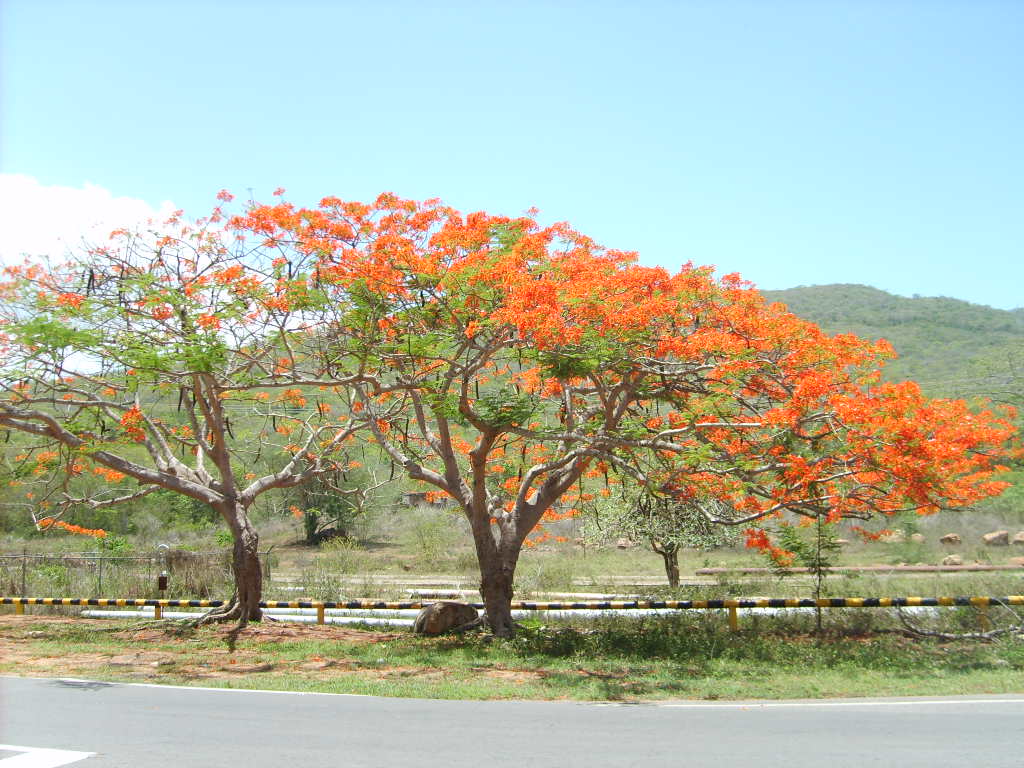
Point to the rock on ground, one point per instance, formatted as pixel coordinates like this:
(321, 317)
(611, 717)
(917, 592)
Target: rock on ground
(951, 540)
(996, 539)
(443, 616)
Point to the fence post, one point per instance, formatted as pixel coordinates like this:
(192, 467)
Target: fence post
(320, 613)
(99, 574)
(24, 566)
(19, 608)
(158, 611)
(734, 620)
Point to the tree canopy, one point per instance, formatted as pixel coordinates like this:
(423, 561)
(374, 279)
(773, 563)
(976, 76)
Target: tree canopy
(128, 361)
(514, 367)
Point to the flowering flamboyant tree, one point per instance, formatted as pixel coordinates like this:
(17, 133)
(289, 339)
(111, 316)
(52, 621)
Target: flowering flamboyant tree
(515, 367)
(130, 362)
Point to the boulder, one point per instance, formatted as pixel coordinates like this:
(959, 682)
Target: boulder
(1018, 561)
(842, 542)
(917, 538)
(895, 536)
(996, 539)
(624, 544)
(951, 540)
(443, 616)
(1018, 539)
(952, 560)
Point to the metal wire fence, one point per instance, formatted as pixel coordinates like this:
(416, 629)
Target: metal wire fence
(92, 574)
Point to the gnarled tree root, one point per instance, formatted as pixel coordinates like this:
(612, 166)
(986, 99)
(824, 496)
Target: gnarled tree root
(232, 610)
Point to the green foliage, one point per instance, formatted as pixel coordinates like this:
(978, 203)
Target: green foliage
(333, 504)
(643, 517)
(46, 333)
(52, 579)
(505, 407)
(814, 547)
(180, 511)
(115, 545)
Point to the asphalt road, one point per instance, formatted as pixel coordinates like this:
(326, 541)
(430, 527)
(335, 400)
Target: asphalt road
(155, 726)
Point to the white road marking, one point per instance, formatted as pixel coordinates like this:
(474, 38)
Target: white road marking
(161, 686)
(38, 757)
(836, 703)
(758, 704)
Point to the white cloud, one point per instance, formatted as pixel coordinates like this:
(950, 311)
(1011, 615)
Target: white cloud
(43, 220)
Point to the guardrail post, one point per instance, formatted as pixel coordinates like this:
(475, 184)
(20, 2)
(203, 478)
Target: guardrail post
(158, 611)
(320, 613)
(19, 609)
(734, 620)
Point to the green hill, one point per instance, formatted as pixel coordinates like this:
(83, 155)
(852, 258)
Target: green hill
(952, 348)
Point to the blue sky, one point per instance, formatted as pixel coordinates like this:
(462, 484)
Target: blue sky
(793, 142)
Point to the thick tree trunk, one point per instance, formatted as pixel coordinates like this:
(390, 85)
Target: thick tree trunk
(244, 605)
(248, 572)
(496, 588)
(497, 561)
(671, 557)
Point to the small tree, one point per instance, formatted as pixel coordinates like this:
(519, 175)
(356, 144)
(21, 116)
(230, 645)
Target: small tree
(814, 552)
(166, 362)
(331, 504)
(667, 524)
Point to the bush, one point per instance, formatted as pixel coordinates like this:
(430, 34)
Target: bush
(323, 580)
(432, 534)
(546, 574)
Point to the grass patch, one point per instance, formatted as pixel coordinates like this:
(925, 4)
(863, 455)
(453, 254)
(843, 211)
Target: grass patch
(684, 657)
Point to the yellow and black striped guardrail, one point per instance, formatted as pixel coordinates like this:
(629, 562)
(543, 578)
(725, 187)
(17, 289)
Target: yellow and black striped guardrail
(527, 605)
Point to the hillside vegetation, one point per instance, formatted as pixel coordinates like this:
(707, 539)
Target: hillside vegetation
(952, 348)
